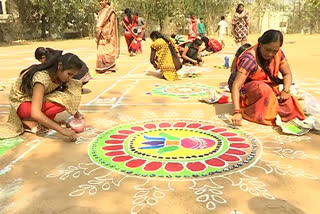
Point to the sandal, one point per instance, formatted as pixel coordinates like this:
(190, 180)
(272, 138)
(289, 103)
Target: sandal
(36, 130)
(33, 130)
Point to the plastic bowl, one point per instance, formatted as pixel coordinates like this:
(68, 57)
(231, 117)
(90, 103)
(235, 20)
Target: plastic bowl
(78, 125)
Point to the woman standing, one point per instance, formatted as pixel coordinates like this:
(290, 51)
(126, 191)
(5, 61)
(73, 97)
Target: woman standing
(130, 24)
(107, 38)
(193, 28)
(240, 25)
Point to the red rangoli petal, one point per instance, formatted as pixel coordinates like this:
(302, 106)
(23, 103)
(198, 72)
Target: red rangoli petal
(196, 167)
(215, 162)
(137, 128)
(194, 125)
(233, 139)
(219, 130)
(117, 153)
(240, 145)
(236, 152)
(107, 148)
(180, 125)
(164, 125)
(153, 166)
(229, 134)
(150, 126)
(174, 167)
(135, 163)
(229, 158)
(122, 158)
(125, 132)
(113, 141)
(206, 127)
(118, 136)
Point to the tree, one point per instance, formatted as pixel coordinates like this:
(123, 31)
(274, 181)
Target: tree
(56, 16)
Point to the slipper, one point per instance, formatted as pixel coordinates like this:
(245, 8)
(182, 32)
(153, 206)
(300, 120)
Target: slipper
(33, 130)
(36, 130)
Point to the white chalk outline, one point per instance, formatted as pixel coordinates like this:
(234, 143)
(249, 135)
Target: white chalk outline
(9, 167)
(33, 147)
(118, 103)
(114, 84)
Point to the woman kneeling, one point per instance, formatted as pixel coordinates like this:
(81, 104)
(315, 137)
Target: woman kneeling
(255, 90)
(164, 56)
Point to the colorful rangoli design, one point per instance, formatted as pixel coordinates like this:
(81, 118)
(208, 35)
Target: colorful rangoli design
(180, 149)
(182, 90)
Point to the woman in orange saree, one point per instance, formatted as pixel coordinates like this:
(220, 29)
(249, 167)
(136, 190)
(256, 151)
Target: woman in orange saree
(130, 24)
(255, 91)
(107, 37)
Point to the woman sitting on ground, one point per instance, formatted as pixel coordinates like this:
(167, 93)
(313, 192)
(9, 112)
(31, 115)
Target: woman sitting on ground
(162, 53)
(192, 52)
(255, 90)
(40, 93)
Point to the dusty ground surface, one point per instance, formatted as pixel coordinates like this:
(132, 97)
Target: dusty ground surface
(254, 169)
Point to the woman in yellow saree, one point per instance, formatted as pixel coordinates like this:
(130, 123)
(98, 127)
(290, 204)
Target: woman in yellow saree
(161, 57)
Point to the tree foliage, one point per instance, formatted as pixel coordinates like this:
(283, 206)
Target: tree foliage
(55, 17)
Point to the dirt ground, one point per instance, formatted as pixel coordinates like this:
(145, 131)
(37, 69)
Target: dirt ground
(134, 156)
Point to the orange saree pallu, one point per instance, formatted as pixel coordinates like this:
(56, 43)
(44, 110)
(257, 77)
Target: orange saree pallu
(107, 40)
(259, 96)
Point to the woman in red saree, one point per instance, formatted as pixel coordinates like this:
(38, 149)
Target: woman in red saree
(130, 24)
(255, 90)
(193, 28)
(107, 38)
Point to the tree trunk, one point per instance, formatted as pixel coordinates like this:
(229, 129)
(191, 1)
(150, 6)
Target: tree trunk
(166, 28)
(208, 23)
(161, 24)
(49, 28)
(1, 34)
(43, 26)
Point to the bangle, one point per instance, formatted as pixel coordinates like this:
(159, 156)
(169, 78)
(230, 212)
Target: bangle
(286, 91)
(236, 112)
